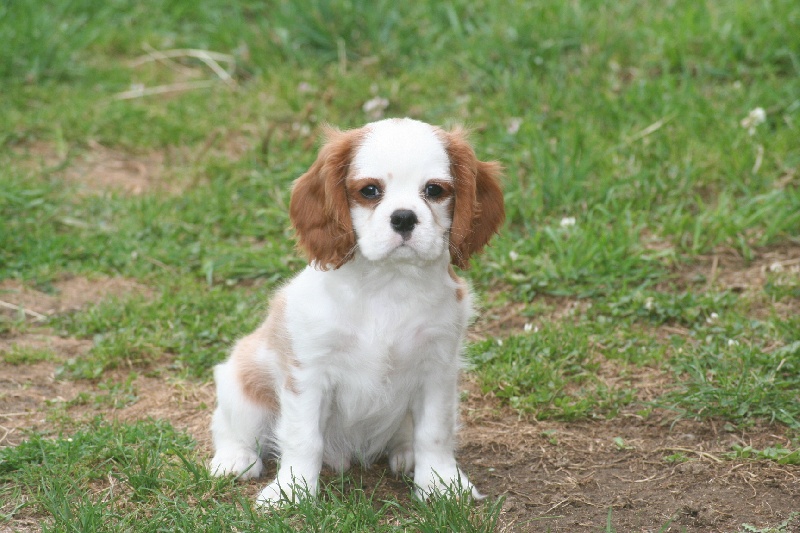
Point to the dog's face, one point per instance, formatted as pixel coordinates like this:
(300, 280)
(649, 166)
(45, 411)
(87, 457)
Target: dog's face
(401, 192)
(398, 190)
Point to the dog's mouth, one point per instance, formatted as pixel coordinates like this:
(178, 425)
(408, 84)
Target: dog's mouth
(413, 252)
(405, 249)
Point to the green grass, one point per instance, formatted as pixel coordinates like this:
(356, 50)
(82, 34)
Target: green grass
(136, 477)
(24, 355)
(739, 381)
(624, 117)
(780, 528)
(191, 336)
(777, 453)
(550, 374)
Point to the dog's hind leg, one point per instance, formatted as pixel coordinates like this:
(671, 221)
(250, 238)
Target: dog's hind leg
(243, 423)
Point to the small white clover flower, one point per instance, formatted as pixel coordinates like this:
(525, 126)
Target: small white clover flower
(528, 327)
(513, 124)
(753, 119)
(567, 222)
(513, 255)
(302, 129)
(733, 342)
(712, 318)
(648, 304)
(374, 107)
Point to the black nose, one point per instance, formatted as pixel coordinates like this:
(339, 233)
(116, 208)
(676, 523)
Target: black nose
(403, 221)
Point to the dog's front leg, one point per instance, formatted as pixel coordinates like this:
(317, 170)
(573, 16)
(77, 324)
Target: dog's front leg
(434, 414)
(299, 433)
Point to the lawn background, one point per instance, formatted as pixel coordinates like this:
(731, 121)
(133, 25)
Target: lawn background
(627, 167)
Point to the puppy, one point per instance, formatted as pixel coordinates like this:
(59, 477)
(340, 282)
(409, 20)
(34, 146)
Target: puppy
(359, 355)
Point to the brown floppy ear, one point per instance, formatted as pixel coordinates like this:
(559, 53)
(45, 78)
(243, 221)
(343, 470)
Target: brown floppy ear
(478, 210)
(319, 210)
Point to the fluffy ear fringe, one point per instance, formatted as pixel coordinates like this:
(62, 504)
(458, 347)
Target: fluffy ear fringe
(319, 209)
(478, 210)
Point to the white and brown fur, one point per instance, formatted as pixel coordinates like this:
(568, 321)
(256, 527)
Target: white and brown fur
(360, 353)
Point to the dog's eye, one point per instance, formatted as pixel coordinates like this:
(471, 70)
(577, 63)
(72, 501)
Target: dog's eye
(433, 191)
(370, 192)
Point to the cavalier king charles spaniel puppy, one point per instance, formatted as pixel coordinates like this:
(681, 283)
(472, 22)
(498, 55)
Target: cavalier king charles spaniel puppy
(359, 355)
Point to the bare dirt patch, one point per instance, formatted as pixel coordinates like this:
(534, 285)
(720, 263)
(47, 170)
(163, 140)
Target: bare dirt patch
(28, 390)
(186, 404)
(726, 269)
(99, 169)
(509, 319)
(65, 295)
(731, 272)
(29, 393)
(566, 476)
(102, 168)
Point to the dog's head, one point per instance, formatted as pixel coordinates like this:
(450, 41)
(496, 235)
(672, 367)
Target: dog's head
(396, 189)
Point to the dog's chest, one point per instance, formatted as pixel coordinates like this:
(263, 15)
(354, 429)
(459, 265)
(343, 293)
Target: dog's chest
(385, 354)
(383, 361)
(371, 340)
(374, 388)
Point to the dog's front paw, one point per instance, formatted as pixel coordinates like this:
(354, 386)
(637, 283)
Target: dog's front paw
(447, 482)
(274, 494)
(245, 464)
(278, 493)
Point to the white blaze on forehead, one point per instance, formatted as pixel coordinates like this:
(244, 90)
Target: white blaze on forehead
(401, 148)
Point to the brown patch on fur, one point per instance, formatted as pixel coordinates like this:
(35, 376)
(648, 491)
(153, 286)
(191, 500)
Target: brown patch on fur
(319, 208)
(278, 339)
(478, 210)
(257, 381)
(451, 271)
(460, 293)
(461, 290)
